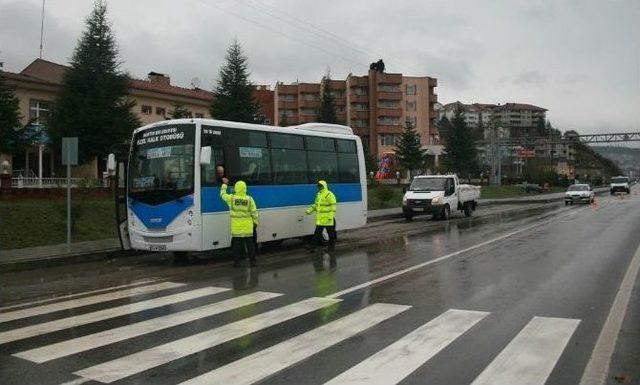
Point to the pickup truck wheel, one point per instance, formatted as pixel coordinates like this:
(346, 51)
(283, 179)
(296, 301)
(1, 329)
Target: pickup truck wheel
(446, 213)
(468, 209)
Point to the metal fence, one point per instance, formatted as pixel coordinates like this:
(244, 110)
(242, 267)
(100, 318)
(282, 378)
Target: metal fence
(35, 182)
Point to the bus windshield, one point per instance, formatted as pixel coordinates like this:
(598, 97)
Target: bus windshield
(161, 164)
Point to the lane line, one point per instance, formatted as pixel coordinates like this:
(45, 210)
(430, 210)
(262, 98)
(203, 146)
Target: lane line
(398, 360)
(92, 341)
(75, 295)
(65, 305)
(531, 356)
(398, 273)
(597, 369)
(146, 359)
(272, 360)
(100, 315)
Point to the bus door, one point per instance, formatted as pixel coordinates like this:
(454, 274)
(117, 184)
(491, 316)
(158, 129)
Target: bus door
(215, 228)
(117, 169)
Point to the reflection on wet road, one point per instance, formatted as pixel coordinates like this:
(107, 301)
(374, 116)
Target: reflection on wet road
(507, 297)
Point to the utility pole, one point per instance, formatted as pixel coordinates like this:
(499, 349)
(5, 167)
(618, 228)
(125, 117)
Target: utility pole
(493, 152)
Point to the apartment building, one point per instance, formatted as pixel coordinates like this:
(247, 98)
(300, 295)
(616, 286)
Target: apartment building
(521, 119)
(375, 105)
(38, 84)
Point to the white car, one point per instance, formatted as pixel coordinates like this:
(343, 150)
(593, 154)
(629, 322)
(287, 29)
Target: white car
(579, 193)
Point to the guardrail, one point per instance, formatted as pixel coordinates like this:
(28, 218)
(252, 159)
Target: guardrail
(31, 182)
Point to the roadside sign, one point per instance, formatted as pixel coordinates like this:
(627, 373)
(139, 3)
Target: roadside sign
(526, 153)
(70, 151)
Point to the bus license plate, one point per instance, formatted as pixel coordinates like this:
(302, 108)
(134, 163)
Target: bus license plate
(157, 247)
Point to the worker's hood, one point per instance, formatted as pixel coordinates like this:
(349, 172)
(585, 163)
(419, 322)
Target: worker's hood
(323, 184)
(240, 188)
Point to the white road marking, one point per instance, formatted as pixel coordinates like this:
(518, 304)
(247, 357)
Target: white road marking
(531, 356)
(597, 370)
(100, 315)
(44, 309)
(395, 362)
(444, 257)
(77, 381)
(134, 363)
(92, 341)
(52, 299)
(267, 362)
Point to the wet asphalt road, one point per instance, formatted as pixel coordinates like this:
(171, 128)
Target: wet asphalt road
(491, 289)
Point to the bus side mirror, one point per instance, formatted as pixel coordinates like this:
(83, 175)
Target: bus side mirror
(205, 155)
(111, 164)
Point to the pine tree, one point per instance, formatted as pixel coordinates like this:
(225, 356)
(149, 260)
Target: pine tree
(9, 118)
(93, 103)
(461, 155)
(233, 93)
(179, 111)
(408, 150)
(327, 112)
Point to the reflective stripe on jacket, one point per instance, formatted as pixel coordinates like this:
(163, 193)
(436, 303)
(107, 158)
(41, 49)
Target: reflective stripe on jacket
(242, 210)
(324, 205)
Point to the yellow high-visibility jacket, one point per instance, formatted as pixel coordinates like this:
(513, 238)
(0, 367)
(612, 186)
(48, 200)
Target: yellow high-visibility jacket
(324, 205)
(242, 209)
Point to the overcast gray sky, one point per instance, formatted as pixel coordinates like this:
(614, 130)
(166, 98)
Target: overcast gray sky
(579, 59)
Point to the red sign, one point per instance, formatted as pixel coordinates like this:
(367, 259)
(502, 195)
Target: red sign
(526, 153)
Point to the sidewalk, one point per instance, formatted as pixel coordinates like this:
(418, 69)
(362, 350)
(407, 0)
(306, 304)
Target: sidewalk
(93, 250)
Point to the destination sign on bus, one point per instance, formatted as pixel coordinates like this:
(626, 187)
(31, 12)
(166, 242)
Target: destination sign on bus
(164, 136)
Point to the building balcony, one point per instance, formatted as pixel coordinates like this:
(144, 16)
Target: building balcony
(340, 100)
(395, 95)
(357, 114)
(394, 112)
(389, 129)
(433, 98)
(389, 78)
(309, 103)
(360, 131)
(291, 119)
(433, 82)
(312, 88)
(310, 118)
(360, 81)
(353, 98)
(286, 105)
(287, 89)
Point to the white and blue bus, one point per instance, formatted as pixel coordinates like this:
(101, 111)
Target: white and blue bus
(172, 189)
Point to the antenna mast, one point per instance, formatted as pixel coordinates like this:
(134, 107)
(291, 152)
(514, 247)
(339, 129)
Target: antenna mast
(41, 28)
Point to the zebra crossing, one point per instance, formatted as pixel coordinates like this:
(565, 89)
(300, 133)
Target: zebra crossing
(528, 358)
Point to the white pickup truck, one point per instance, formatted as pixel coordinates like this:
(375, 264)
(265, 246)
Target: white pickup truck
(619, 183)
(438, 195)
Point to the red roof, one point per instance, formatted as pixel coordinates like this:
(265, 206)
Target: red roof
(49, 72)
(146, 85)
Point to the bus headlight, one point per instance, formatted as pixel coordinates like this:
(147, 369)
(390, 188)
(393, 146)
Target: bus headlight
(436, 200)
